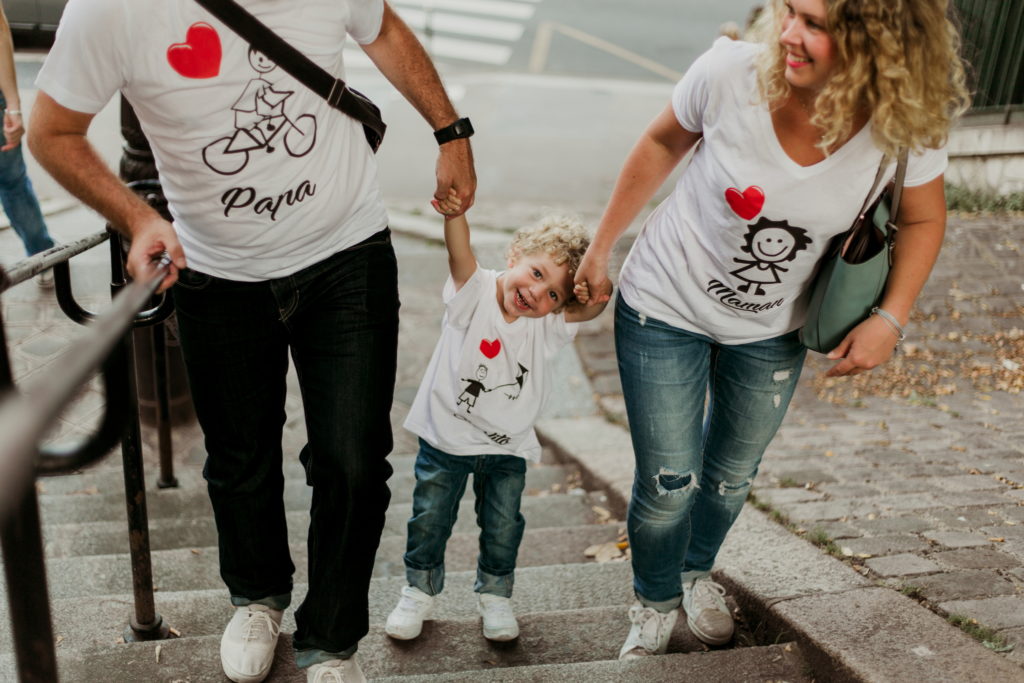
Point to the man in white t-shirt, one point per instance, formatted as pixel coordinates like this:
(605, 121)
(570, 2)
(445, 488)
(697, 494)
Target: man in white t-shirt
(279, 244)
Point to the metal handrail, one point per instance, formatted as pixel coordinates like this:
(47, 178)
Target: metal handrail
(25, 417)
(54, 256)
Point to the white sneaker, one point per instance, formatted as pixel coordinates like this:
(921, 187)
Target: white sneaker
(45, 279)
(406, 621)
(499, 621)
(707, 615)
(247, 647)
(336, 671)
(649, 633)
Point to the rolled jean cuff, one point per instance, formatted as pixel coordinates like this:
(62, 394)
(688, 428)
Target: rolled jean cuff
(280, 602)
(307, 658)
(494, 585)
(663, 606)
(693, 575)
(430, 581)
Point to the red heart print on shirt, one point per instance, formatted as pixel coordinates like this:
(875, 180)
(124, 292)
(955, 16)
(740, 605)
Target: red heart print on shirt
(746, 204)
(490, 348)
(199, 55)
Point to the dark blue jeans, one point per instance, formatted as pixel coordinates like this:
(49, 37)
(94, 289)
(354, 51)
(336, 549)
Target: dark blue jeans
(498, 482)
(700, 416)
(339, 319)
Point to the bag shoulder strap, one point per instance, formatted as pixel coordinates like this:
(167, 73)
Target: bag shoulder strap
(897, 186)
(332, 89)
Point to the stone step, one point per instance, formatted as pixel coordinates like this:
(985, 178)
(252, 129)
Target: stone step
(779, 662)
(194, 528)
(198, 568)
(94, 505)
(110, 480)
(99, 620)
(552, 640)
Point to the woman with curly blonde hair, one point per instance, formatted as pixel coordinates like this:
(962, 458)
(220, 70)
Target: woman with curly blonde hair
(792, 130)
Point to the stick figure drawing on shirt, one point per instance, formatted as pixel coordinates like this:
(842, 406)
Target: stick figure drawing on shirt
(769, 243)
(259, 117)
(472, 391)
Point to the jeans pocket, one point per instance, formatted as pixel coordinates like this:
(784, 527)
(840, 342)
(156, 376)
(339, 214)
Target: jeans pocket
(193, 279)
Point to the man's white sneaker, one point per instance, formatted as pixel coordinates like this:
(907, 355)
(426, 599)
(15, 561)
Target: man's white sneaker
(649, 633)
(707, 615)
(336, 671)
(406, 621)
(247, 647)
(499, 621)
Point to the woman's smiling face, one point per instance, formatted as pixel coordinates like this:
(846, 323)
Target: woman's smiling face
(810, 50)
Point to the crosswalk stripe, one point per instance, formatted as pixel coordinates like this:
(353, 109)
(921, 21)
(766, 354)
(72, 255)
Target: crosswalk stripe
(468, 50)
(497, 8)
(458, 23)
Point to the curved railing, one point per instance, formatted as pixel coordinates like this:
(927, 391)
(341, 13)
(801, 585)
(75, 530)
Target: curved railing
(29, 410)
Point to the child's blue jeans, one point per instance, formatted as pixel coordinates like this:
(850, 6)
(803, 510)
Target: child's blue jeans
(498, 482)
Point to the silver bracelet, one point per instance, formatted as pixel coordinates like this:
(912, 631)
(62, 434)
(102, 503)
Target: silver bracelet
(893, 322)
(13, 111)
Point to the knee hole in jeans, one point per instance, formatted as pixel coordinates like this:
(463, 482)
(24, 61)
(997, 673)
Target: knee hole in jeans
(671, 483)
(726, 488)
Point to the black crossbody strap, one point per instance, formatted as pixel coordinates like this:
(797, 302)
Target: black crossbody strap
(332, 89)
(897, 189)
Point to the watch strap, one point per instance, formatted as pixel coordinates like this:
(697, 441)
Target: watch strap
(462, 128)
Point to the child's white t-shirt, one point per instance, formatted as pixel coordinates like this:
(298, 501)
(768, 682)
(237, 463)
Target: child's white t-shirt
(733, 249)
(262, 176)
(487, 380)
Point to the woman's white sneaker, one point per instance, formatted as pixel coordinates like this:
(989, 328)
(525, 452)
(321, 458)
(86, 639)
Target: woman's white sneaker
(649, 633)
(707, 615)
(406, 621)
(499, 620)
(247, 646)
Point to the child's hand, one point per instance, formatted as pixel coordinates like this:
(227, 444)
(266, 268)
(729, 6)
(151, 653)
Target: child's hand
(449, 205)
(581, 290)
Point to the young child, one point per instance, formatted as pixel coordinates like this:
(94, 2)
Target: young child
(476, 406)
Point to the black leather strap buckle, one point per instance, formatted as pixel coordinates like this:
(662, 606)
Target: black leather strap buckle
(462, 128)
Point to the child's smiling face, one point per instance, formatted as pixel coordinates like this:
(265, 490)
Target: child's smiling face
(772, 244)
(533, 286)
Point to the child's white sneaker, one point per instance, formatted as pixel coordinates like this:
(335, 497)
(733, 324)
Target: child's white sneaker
(499, 621)
(406, 621)
(649, 633)
(247, 646)
(336, 671)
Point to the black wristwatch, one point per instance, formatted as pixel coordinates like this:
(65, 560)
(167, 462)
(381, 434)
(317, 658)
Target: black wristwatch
(460, 129)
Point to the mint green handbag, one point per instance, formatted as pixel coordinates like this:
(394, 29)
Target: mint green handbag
(853, 273)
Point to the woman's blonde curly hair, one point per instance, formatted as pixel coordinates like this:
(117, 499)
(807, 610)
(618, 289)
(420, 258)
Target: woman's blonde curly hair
(563, 238)
(899, 59)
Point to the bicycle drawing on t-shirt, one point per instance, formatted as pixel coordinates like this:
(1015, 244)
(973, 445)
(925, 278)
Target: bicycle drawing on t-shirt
(260, 123)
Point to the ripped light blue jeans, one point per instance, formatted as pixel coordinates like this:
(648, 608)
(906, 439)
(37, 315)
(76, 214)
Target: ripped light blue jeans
(701, 415)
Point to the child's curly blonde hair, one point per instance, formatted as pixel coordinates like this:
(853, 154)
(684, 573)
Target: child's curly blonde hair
(563, 238)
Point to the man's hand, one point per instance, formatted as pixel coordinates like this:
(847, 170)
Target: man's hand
(455, 172)
(149, 242)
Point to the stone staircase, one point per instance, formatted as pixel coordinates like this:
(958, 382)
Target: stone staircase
(572, 608)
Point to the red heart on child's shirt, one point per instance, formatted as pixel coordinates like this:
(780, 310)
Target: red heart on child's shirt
(490, 348)
(746, 204)
(199, 55)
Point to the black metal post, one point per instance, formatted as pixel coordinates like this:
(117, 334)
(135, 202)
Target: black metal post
(163, 407)
(146, 624)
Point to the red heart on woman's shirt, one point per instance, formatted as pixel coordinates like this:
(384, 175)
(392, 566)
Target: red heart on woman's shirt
(746, 204)
(199, 55)
(490, 348)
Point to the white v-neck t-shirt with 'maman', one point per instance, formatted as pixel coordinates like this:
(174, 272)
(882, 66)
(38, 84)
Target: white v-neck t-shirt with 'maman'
(731, 252)
(487, 380)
